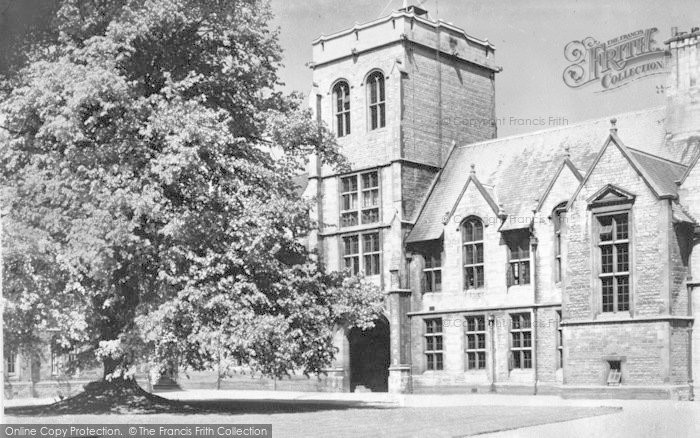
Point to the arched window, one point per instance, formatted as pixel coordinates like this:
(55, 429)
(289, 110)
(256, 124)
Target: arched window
(557, 218)
(376, 98)
(473, 258)
(341, 96)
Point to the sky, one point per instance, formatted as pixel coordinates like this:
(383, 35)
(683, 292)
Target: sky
(529, 37)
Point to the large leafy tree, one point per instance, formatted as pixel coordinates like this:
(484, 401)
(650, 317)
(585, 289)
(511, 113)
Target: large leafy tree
(148, 169)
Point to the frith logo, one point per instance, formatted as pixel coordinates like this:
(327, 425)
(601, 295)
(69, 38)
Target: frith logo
(614, 63)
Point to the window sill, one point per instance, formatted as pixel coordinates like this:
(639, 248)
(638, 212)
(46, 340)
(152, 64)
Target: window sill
(613, 316)
(522, 371)
(355, 229)
(520, 285)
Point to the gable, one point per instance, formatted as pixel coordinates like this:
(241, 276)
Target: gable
(562, 186)
(615, 163)
(474, 199)
(610, 195)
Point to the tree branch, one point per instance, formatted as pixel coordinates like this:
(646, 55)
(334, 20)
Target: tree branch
(12, 131)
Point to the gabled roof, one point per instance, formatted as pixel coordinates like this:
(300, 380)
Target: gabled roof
(564, 164)
(659, 174)
(487, 194)
(680, 214)
(519, 167)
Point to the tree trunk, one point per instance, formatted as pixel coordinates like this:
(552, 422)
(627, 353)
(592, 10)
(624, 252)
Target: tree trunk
(109, 365)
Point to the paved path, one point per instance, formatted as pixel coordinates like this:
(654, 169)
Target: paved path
(638, 419)
(377, 414)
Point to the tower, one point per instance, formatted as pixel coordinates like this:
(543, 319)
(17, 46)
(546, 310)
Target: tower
(397, 92)
(683, 89)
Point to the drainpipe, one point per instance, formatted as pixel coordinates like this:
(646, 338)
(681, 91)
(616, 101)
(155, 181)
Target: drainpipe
(691, 391)
(319, 185)
(534, 347)
(535, 285)
(493, 352)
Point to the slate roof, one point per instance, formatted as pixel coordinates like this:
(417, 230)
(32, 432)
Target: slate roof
(518, 169)
(681, 215)
(662, 173)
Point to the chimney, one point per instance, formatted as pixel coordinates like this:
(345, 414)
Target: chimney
(682, 100)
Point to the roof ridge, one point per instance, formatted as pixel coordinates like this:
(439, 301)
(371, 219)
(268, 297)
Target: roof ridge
(648, 154)
(560, 128)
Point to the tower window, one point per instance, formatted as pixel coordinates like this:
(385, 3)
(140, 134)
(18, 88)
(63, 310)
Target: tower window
(613, 244)
(351, 253)
(473, 253)
(359, 199)
(370, 252)
(341, 96)
(362, 253)
(377, 100)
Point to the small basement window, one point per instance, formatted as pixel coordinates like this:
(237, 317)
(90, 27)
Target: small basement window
(615, 373)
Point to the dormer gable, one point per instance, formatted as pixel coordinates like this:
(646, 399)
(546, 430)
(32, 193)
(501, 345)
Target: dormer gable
(610, 195)
(482, 190)
(566, 166)
(659, 175)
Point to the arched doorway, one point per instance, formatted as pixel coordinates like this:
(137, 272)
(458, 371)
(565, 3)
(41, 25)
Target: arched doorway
(370, 357)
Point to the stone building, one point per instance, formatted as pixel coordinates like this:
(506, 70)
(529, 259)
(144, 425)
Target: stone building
(558, 261)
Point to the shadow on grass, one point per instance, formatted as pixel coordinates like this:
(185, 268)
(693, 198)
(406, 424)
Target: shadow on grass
(127, 397)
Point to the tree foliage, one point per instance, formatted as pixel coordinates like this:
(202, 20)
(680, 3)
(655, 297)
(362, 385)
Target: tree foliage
(148, 168)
